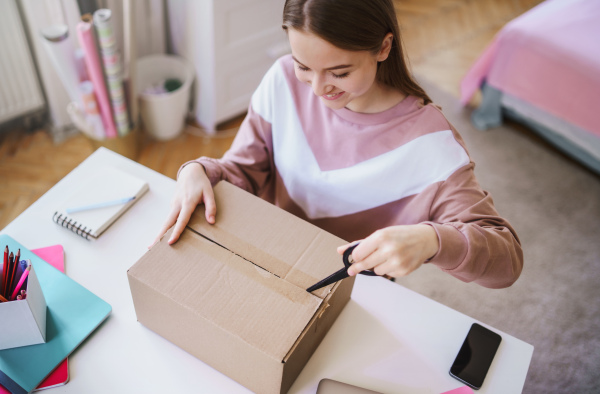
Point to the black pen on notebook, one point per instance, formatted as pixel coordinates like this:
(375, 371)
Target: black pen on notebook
(100, 204)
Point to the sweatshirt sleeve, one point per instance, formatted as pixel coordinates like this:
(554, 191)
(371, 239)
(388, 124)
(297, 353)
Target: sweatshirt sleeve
(248, 163)
(476, 244)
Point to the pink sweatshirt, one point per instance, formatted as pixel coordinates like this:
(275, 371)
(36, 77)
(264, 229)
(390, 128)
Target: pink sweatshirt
(351, 174)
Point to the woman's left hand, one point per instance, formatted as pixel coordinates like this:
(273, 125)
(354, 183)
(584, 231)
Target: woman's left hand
(394, 251)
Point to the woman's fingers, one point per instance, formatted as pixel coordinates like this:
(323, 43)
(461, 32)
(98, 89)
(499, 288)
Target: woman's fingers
(395, 251)
(182, 220)
(366, 255)
(368, 263)
(383, 264)
(210, 205)
(342, 249)
(171, 218)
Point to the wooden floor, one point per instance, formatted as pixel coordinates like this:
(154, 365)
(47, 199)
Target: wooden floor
(442, 37)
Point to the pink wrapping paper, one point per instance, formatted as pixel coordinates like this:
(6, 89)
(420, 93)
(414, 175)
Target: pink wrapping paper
(103, 22)
(549, 57)
(85, 32)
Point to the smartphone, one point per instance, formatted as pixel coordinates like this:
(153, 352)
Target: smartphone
(475, 356)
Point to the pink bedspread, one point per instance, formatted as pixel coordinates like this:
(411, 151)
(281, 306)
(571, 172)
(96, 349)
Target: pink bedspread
(550, 57)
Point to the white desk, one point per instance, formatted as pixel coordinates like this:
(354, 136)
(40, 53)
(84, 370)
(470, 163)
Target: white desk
(388, 338)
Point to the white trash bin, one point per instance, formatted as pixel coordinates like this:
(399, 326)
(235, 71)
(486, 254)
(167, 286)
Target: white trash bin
(163, 115)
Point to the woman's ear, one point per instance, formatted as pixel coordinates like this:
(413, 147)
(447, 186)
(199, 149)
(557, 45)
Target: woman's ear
(386, 47)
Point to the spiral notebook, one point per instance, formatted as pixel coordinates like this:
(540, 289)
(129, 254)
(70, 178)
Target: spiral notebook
(99, 201)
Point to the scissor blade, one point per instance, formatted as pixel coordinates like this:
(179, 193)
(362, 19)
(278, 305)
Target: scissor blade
(336, 276)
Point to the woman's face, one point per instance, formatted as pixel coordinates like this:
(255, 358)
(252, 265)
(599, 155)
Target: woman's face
(341, 78)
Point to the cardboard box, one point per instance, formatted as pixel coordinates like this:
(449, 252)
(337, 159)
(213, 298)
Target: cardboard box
(234, 294)
(23, 322)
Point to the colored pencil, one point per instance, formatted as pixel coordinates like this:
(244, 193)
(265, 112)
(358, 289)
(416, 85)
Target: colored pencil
(16, 264)
(5, 291)
(12, 269)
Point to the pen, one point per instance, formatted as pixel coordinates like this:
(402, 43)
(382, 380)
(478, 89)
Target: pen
(23, 277)
(17, 257)
(15, 273)
(100, 205)
(2, 299)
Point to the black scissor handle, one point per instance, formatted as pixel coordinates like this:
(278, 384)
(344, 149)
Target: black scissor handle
(347, 263)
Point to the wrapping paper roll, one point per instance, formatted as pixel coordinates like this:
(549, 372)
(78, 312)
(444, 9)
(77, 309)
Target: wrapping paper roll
(112, 68)
(85, 32)
(90, 108)
(80, 65)
(60, 49)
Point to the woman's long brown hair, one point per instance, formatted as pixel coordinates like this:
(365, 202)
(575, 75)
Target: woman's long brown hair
(357, 25)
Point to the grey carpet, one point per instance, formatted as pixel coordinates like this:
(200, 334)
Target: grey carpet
(554, 205)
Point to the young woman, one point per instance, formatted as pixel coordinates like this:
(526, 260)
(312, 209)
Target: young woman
(339, 134)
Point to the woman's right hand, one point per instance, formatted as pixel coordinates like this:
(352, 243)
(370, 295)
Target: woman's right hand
(193, 188)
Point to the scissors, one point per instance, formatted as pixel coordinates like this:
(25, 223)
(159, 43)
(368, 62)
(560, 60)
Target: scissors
(341, 274)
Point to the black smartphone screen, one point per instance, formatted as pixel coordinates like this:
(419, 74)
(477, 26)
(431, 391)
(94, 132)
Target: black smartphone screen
(475, 356)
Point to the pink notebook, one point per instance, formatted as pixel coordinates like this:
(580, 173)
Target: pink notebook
(55, 256)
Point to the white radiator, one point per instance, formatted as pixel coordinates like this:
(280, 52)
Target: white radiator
(20, 91)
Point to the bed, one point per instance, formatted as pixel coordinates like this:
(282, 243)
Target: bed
(543, 70)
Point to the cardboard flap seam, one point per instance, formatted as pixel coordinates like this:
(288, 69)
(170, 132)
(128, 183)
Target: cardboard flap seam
(312, 242)
(229, 250)
(258, 266)
(319, 293)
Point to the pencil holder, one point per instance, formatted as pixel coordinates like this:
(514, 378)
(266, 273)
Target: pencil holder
(23, 322)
